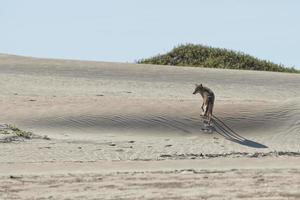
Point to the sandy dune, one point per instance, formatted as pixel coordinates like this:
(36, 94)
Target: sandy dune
(98, 111)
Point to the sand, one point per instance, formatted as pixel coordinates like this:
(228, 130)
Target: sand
(125, 131)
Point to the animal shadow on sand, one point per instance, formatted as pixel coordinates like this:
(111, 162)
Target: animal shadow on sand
(229, 134)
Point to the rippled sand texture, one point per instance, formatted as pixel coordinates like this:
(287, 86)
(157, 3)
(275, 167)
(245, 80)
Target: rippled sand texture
(145, 119)
(259, 111)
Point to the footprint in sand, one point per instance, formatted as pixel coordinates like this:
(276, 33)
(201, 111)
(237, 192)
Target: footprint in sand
(215, 140)
(15, 177)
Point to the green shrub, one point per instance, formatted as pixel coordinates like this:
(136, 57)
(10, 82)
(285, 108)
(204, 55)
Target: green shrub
(204, 56)
(20, 133)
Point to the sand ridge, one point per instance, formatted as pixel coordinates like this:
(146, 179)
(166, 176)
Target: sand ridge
(99, 113)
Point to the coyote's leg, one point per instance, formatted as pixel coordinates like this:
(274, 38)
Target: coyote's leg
(204, 106)
(210, 111)
(206, 112)
(209, 118)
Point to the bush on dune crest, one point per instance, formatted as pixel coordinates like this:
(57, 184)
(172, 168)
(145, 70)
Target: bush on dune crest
(204, 56)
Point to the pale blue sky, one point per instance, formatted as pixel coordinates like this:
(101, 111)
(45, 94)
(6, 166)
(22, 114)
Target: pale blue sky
(126, 30)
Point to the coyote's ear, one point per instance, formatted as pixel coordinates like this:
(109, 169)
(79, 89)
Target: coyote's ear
(201, 85)
(196, 85)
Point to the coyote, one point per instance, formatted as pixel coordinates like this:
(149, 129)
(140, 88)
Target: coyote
(208, 100)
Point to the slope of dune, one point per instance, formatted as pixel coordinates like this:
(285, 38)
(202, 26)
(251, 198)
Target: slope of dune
(56, 96)
(102, 112)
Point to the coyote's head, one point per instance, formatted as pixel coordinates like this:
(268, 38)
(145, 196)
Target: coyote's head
(198, 88)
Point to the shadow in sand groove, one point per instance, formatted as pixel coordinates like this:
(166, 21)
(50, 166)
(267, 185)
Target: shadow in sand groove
(229, 134)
